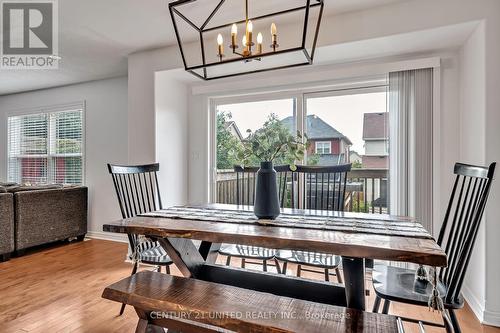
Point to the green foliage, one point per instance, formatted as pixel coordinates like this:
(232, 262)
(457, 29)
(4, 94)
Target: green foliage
(228, 146)
(356, 165)
(272, 143)
(313, 159)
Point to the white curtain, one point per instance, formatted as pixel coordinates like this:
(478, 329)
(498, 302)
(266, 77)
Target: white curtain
(410, 114)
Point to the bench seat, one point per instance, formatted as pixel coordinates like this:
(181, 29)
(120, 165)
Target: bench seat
(191, 305)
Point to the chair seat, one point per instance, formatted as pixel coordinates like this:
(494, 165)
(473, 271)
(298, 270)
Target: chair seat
(398, 284)
(322, 260)
(247, 251)
(152, 253)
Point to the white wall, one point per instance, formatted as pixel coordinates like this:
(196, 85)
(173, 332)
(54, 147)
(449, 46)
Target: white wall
(376, 147)
(171, 128)
(105, 137)
(472, 125)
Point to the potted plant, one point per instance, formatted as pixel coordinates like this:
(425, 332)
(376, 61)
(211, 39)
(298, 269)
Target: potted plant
(273, 142)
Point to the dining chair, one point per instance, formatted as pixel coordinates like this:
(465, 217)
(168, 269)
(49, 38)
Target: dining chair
(316, 188)
(245, 187)
(457, 237)
(138, 192)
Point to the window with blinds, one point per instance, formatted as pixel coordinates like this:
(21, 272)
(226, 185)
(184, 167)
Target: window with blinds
(46, 148)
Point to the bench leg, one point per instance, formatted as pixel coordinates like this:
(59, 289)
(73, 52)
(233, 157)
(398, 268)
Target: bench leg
(228, 261)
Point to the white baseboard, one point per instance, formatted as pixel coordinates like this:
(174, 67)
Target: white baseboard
(122, 238)
(491, 318)
(474, 303)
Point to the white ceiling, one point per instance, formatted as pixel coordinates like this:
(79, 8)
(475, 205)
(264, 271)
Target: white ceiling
(95, 37)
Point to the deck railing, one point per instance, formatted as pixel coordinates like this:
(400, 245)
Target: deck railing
(367, 190)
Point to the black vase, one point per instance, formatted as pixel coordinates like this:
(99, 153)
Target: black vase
(267, 205)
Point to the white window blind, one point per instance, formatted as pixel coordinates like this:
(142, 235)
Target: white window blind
(46, 147)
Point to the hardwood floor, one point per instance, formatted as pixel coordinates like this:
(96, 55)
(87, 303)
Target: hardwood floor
(58, 289)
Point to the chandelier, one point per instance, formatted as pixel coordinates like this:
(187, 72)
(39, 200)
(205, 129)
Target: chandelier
(245, 36)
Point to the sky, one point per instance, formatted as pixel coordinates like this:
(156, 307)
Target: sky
(344, 113)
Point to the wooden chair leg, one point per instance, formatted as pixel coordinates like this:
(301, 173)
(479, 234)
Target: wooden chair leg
(454, 321)
(228, 261)
(277, 263)
(243, 263)
(385, 308)
(299, 270)
(134, 270)
(264, 265)
(376, 304)
(327, 275)
(285, 266)
(339, 276)
(167, 269)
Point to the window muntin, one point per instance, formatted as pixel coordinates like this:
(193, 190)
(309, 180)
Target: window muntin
(323, 147)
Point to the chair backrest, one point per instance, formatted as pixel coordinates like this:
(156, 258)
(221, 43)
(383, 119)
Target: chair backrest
(306, 187)
(461, 223)
(136, 188)
(319, 187)
(245, 183)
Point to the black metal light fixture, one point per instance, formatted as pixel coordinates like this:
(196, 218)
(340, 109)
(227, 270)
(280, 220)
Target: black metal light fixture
(201, 37)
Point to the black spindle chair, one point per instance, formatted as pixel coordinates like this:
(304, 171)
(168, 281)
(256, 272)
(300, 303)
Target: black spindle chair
(245, 196)
(457, 237)
(316, 188)
(138, 193)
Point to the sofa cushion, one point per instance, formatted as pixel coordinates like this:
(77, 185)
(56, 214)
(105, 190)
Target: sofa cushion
(22, 188)
(2, 189)
(7, 184)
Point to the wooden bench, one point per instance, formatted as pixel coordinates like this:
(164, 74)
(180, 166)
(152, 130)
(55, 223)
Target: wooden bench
(189, 305)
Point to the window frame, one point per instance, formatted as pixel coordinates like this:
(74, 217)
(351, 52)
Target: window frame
(328, 144)
(300, 113)
(80, 105)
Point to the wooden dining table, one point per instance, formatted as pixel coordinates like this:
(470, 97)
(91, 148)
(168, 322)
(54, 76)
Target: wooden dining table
(176, 236)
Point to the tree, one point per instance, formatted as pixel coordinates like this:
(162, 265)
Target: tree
(357, 165)
(272, 142)
(228, 146)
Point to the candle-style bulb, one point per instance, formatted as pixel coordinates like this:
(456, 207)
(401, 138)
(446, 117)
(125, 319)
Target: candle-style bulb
(244, 40)
(273, 29)
(250, 26)
(220, 40)
(259, 43)
(234, 29)
(259, 38)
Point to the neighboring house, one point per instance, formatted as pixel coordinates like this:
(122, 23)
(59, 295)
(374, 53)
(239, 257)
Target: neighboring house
(376, 137)
(355, 157)
(233, 129)
(330, 145)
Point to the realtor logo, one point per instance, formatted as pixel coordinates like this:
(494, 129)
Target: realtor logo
(29, 34)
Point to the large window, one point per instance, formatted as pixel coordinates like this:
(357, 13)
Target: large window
(46, 147)
(342, 126)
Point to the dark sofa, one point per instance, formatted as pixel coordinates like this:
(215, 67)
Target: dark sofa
(6, 225)
(42, 215)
